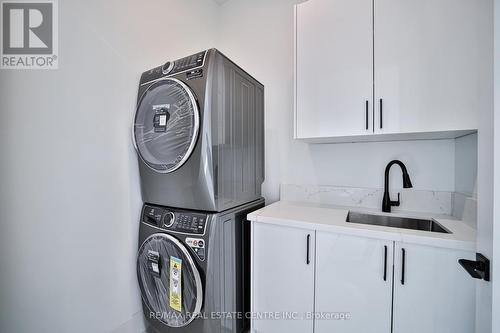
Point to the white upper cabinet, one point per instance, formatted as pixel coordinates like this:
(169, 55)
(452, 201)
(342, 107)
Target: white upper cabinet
(431, 64)
(423, 66)
(334, 66)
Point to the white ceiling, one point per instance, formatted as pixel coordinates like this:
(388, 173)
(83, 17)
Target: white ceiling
(221, 2)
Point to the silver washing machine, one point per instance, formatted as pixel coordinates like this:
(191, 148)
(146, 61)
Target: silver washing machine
(199, 134)
(193, 269)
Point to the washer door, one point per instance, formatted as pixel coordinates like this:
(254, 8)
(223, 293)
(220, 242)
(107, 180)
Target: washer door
(170, 283)
(166, 125)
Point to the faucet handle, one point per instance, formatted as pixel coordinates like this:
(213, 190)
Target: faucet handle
(396, 203)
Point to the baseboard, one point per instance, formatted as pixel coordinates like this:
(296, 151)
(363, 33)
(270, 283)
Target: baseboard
(133, 325)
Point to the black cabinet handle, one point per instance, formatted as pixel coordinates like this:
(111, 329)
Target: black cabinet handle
(308, 261)
(366, 116)
(385, 262)
(381, 113)
(403, 259)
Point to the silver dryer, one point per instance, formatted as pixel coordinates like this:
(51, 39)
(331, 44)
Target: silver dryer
(199, 133)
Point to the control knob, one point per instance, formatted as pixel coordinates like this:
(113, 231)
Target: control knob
(167, 68)
(168, 220)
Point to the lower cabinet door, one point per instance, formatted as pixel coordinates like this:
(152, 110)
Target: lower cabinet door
(432, 292)
(282, 279)
(353, 284)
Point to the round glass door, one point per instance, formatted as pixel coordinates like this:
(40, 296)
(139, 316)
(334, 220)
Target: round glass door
(170, 283)
(166, 125)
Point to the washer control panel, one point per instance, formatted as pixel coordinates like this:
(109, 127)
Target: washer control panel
(185, 222)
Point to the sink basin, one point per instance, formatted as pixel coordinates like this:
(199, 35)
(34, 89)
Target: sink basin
(396, 222)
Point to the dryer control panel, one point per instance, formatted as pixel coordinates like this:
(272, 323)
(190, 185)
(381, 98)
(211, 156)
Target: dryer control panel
(186, 64)
(181, 221)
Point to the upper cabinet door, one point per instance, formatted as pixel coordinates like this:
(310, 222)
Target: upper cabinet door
(282, 278)
(432, 64)
(432, 292)
(334, 68)
(353, 275)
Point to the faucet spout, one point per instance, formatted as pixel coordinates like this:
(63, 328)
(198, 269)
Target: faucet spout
(386, 202)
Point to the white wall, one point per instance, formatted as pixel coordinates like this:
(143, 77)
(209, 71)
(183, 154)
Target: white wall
(485, 186)
(466, 165)
(496, 212)
(69, 195)
(258, 35)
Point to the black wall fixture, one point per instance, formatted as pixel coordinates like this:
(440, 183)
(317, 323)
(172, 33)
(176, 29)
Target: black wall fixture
(479, 269)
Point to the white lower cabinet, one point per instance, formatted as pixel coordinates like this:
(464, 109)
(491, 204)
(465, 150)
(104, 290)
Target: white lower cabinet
(353, 284)
(432, 292)
(282, 279)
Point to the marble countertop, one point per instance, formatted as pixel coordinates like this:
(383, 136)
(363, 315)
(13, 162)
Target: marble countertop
(331, 218)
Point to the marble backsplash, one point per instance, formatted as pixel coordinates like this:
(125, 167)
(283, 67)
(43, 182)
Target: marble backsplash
(464, 208)
(454, 204)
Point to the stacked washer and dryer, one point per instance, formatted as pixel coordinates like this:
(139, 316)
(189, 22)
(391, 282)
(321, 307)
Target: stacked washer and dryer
(199, 134)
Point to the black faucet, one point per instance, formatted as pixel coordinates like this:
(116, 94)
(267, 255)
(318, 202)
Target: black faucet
(386, 202)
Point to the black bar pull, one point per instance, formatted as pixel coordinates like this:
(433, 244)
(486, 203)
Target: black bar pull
(366, 116)
(381, 113)
(308, 261)
(479, 269)
(385, 262)
(403, 259)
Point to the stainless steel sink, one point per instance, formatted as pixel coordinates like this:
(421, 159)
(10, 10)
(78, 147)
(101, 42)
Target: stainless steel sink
(396, 222)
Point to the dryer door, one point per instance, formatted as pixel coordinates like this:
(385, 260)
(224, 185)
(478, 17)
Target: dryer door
(166, 125)
(170, 283)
